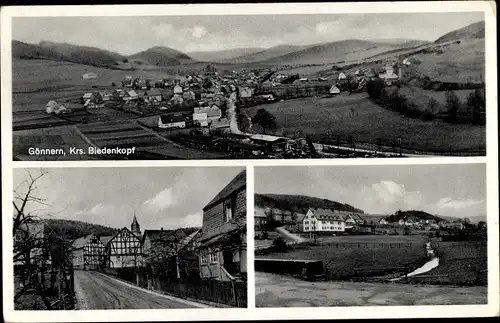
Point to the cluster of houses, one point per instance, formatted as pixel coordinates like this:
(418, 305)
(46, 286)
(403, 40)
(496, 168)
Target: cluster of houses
(423, 224)
(220, 244)
(314, 220)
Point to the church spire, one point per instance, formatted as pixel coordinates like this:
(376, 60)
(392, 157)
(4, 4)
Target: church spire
(135, 227)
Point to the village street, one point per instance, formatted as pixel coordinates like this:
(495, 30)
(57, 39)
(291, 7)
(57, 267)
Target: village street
(280, 291)
(97, 291)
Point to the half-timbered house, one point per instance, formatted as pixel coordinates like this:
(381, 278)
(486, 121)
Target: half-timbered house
(124, 250)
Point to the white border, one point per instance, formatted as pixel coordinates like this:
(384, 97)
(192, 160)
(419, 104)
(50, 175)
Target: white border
(492, 309)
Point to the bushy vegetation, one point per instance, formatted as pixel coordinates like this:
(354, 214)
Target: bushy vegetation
(413, 214)
(391, 98)
(300, 203)
(76, 229)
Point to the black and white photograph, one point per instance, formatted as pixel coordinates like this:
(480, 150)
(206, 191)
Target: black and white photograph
(129, 238)
(371, 235)
(360, 138)
(249, 86)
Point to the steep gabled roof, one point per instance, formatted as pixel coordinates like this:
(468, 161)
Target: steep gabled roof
(238, 183)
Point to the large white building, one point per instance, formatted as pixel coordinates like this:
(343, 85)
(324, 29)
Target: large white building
(322, 220)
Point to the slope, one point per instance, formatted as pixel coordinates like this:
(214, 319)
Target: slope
(162, 56)
(334, 52)
(299, 203)
(76, 229)
(472, 31)
(65, 52)
(223, 55)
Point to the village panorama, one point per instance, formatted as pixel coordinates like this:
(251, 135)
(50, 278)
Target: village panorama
(329, 90)
(382, 235)
(117, 247)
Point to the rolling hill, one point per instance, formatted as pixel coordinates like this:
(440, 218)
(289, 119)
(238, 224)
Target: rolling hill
(267, 54)
(412, 215)
(296, 203)
(334, 52)
(472, 31)
(223, 55)
(65, 52)
(76, 229)
(162, 56)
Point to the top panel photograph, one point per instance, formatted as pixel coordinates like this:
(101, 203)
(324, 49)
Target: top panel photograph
(248, 86)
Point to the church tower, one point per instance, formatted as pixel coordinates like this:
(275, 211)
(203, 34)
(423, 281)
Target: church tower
(135, 227)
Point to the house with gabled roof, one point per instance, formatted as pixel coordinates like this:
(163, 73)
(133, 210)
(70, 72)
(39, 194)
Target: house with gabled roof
(124, 248)
(222, 250)
(171, 121)
(322, 220)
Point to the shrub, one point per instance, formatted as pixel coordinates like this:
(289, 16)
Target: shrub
(279, 245)
(452, 104)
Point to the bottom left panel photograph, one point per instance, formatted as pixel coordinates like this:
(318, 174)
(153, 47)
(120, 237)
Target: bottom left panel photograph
(129, 238)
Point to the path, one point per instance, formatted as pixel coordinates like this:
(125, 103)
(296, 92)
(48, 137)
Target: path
(280, 291)
(97, 291)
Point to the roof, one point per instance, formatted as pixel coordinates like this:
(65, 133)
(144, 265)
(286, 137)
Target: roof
(164, 235)
(237, 183)
(222, 123)
(53, 104)
(132, 93)
(326, 214)
(222, 238)
(80, 242)
(154, 92)
(268, 138)
(212, 111)
(171, 118)
(105, 239)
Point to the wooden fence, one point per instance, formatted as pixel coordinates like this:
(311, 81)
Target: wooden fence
(230, 293)
(391, 245)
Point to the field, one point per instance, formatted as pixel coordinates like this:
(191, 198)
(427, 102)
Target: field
(342, 255)
(461, 261)
(355, 115)
(281, 291)
(421, 97)
(458, 62)
(35, 82)
(58, 137)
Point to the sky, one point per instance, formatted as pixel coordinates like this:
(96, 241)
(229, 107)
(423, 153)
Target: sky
(129, 35)
(161, 197)
(455, 190)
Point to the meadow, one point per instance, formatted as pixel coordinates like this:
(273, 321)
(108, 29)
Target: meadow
(56, 137)
(355, 115)
(342, 255)
(35, 82)
(460, 261)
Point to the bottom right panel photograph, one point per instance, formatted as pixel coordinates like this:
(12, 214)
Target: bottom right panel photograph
(370, 235)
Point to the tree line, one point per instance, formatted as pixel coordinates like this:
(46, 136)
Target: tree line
(392, 99)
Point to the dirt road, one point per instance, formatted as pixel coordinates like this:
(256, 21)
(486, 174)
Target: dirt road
(281, 291)
(97, 291)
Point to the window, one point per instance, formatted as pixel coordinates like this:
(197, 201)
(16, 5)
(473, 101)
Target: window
(214, 257)
(228, 210)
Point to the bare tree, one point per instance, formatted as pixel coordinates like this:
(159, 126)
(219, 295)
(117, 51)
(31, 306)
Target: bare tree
(30, 247)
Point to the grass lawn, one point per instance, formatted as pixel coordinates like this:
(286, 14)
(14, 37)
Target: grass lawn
(355, 115)
(460, 260)
(342, 259)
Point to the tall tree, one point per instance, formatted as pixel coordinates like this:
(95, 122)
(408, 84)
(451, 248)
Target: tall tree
(265, 119)
(452, 104)
(476, 101)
